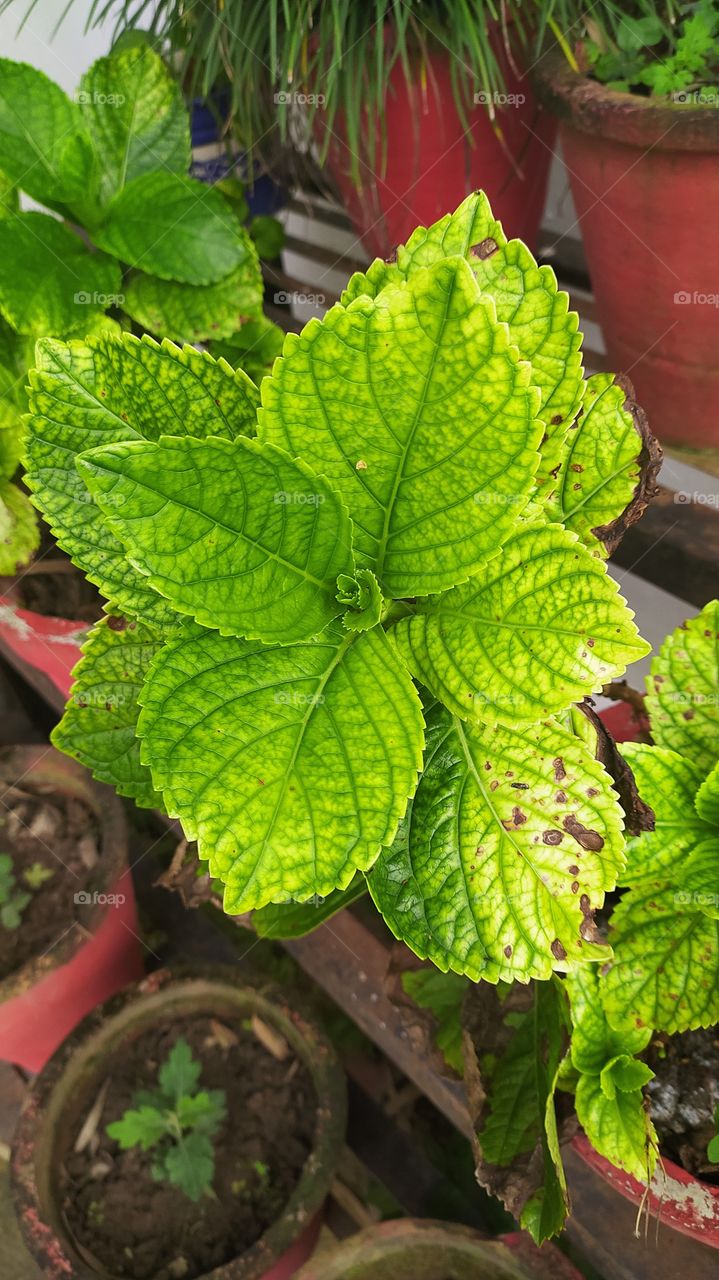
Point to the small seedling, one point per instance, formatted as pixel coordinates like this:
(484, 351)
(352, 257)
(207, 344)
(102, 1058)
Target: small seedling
(178, 1121)
(37, 875)
(13, 900)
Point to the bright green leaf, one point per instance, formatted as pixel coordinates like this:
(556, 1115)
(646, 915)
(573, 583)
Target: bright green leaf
(683, 690)
(416, 409)
(198, 313)
(133, 109)
(142, 1128)
(362, 594)
(50, 282)
(180, 1073)
(512, 840)
(44, 145)
(233, 533)
(254, 348)
(100, 720)
(508, 646)
(314, 747)
(118, 388)
(19, 531)
(619, 1128)
(706, 800)
(173, 227)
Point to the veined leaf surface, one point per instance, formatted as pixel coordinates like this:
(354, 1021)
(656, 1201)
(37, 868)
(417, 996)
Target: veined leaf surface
(541, 626)
(44, 145)
(49, 280)
(511, 841)
(416, 409)
(290, 765)
(233, 533)
(683, 690)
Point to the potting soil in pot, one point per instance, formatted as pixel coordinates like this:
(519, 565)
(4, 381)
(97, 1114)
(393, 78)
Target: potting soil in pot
(148, 1230)
(683, 1097)
(52, 840)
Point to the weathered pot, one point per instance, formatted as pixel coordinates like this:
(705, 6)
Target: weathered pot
(52, 645)
(645, 181)
(433, 161)
(415, 1249)
(73, 1075)
(42, 1002)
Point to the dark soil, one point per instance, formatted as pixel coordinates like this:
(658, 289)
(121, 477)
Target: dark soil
(58, 594)
(61, 834)
(137, 1227)
(683, 1097)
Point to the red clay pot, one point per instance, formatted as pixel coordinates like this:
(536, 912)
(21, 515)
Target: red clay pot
(72, 1075)
(645, 182)
(432, 162)
(42, 1002)
(52, 645)
(676, 1197)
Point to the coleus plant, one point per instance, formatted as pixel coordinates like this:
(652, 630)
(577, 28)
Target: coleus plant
(349, 615)
(129, 233)
(585, 1034)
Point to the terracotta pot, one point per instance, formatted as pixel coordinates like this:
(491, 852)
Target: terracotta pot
(645, 182)
(52, 645)
(432, 162)
(42, 1002)
(72, 1077)
(415, 1249)
(676, 1197)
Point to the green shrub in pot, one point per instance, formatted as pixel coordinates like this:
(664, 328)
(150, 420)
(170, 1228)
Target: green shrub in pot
(350, 616)
(130, 238)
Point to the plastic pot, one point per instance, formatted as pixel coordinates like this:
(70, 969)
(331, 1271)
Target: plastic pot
(433, 162)
(52, 645)
(645, 182)
(414, 1249)
(676, 1197)
(213, 159)
(72, 1077)
(42, 1002)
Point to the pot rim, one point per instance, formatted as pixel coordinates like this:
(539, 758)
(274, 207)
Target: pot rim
(45, 765)
(78, 1061)
(585, 104)
(695, 1215)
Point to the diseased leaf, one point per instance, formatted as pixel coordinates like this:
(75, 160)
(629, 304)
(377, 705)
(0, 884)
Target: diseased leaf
(609, 465)
(133, 110)
(507, 646)
(198, 313)
(19, 532)
(112, 389)
(295, 919)
(514, 1044)
(314, 747)
(583, 721)
(49, 280)
(173, 227)
(512, 840)
(45, 148)
(99, 725)
(415, 408)
(683, 690)
(233, 533)
(442, 994)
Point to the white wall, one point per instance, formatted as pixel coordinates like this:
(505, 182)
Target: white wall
(62, 55)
